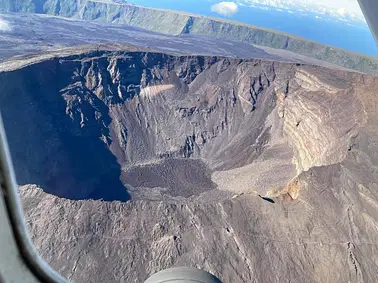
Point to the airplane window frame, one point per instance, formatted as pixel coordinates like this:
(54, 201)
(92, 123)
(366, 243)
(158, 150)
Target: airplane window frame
(14, 212)
(370, 8)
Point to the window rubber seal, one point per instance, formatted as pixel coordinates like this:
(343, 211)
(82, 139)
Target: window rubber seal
(29, 255)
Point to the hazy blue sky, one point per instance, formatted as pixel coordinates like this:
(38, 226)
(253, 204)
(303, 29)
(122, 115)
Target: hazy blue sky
(337, 23)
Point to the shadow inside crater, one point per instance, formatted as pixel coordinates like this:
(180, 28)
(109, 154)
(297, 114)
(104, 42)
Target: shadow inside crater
(51, 149)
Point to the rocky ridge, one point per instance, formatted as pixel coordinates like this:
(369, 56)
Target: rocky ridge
(255, 170)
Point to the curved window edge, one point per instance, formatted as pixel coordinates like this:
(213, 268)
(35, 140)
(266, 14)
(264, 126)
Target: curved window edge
(14, 212)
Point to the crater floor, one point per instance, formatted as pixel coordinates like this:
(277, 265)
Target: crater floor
(175, 177)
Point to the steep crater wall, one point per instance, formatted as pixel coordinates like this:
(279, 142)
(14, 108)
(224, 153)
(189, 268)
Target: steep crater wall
(173, 22)
(95, 124)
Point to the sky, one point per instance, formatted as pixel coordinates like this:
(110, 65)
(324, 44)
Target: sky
(338, 23)
(344, 10)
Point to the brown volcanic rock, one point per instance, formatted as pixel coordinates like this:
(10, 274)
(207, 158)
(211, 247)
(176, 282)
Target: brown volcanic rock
(195, 140)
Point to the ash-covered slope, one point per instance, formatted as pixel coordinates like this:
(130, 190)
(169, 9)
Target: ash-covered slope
(175, 23)
(37, 33)
(46, 34)
(194, 141)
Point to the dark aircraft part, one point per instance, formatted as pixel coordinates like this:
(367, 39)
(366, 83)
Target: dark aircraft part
(183, 275)
(370, 10)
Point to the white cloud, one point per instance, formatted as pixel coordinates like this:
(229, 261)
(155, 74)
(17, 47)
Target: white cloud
(346, 9)
(227, 9)
(4, 25)
(342, 11)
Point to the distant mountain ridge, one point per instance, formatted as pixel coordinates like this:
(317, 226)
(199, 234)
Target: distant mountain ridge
(173, 22)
